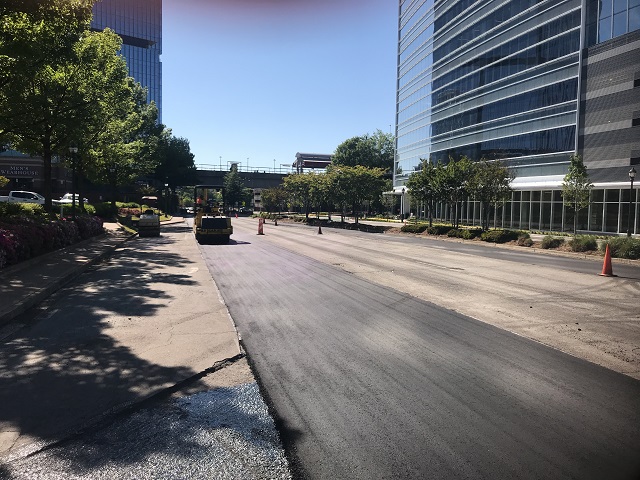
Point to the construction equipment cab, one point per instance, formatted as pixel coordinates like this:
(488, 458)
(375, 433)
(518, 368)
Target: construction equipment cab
(210, 224)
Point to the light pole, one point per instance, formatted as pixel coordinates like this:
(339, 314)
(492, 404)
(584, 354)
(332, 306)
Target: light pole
(73, 150)
(113, 181)
(402, 206)
(220, 162)
(632, 176)
(166, 198)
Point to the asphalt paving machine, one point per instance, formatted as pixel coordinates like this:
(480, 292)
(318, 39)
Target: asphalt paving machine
(210, 224)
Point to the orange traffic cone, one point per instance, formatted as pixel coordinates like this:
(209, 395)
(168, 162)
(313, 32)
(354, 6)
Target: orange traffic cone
(607, 270)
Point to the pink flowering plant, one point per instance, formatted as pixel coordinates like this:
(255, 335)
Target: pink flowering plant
(26, 234)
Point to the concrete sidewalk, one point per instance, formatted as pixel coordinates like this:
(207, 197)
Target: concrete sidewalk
(28, 283)
(146, 321)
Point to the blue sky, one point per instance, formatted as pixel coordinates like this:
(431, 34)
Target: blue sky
(264, 79)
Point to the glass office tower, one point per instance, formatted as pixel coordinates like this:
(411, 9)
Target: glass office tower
(528, 83)
(488, 79)
(139, 23)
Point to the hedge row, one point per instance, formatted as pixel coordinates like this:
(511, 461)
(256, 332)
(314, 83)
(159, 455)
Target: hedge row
(23, 236)
(622, 247)
(494, 236)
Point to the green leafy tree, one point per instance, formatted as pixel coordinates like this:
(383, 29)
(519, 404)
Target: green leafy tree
(3, 181)
(110, 112)
(355, 186)
(373, 151)
(234, 189)
(273, 199)
(320, 192)
(298, 188)
(126, 148)
(576, 187)
(423, 187)
(42, 94)
(451, 183)
(176, 162)
(490, 184)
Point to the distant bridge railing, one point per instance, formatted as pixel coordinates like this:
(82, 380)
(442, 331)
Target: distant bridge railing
(245, 169)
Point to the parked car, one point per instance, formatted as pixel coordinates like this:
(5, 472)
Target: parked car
(22, 196)
(67, 198)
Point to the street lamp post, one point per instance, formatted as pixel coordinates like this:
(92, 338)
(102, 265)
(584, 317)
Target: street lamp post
(402, 206)
(166, 198)
(632, 176)
(73, 150)
(113, 181)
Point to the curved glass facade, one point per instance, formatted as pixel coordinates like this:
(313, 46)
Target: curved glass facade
(495, 79)
(139, 23)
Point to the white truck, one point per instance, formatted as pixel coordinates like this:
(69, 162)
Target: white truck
(22, 196)
(67, 199)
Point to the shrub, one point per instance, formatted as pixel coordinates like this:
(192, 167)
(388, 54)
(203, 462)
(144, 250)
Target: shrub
(583, 243)
(454, 232)
(103, 210)
(623, 247)
(499, 236)
(438, 229)
(88, 226)
(129, 211)
(524, 240)
(551, 242)
(470, 233)
(11, 209)
(28, 232)
(413, 228)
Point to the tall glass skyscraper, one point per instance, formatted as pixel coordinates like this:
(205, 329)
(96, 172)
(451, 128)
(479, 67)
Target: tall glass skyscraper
(139, 24)
(490, 79)
(529, 83)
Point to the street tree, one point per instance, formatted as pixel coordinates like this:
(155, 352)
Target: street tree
(112, 111)
(175, 161)
(273, 199)
(373, 151)
(355, 186)
(41, 91)
(127, 147)
(490, 184)
(423, 188)
(451, 183)
(298, 188)
(320, 192)
(576, 187)
(234, 189)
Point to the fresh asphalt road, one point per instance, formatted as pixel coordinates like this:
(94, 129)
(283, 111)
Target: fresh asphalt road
(368, 382)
